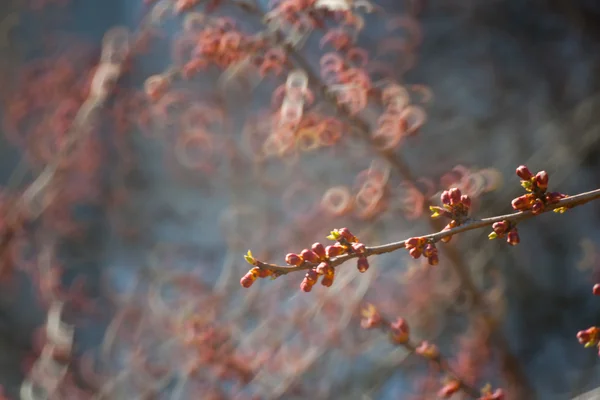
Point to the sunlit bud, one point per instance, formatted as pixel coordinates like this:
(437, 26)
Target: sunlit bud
(554, 197)
(446, 239)
(346, 234)
(454, 195)
(362, 264)
(500, 227)
(311, 276)
(399, 331)
(305, 286)
(309, 255)
(537, 207)
(513, 237)
(428, 350)
(524, 173)
(429, 250)
(247, 280)
(334, 250)
(449, 389)
(415, 252)
(414, 242)
(323, 268)
(466, 200)
(541, 180)
(522, 203)
(445, 197)
(328, 278)
(370, 317)
(319, 250)
(293, 259)
(358, 247)
(433, 260)
(589, 337)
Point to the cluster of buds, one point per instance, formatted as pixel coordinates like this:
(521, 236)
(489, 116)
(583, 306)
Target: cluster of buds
(455, 206)
(320, 257)
(505, 228)
(418, 246)
(538, 198)
(254, 273)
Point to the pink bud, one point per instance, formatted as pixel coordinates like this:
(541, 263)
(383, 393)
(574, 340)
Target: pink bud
(541, 180)
(305, 286)
(362, 264)
(537, 207)
(358, 247)
(346, 234)
(415, 252)
(247, 280)
(513, 237)
(334, 250)
(445, 197)
(293, 259)
(500, 227)
(466, 200)
(454, 195)
(309, 255)
(319, 250)
(311, 276)
(524, 173)
(429, 250)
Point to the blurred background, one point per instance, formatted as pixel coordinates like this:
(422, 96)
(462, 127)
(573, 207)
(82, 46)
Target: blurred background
(140, 232)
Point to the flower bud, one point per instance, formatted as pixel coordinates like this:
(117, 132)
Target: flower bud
(247, 280)
(522, 203)
(293, 259)
(513, 237)
(327, 280)
(399, 331)
(541, 180)
(305, 286)
(537, 207)
(434, 259)
(358, 247)
(311, 276)
(455, 195)
(596, 289)
(589, 337)
(346, 234)
(449, 389)
(500, 227)
(445, 197)
(324, 268)
(319, 250)
(524, 173)
(554, 197)
(413, 242)
(370, 317)
(466, 200)
(415, 252)
(429, 250)
(428, 350)
(334, 250)
(362, 264)
(309, 255)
